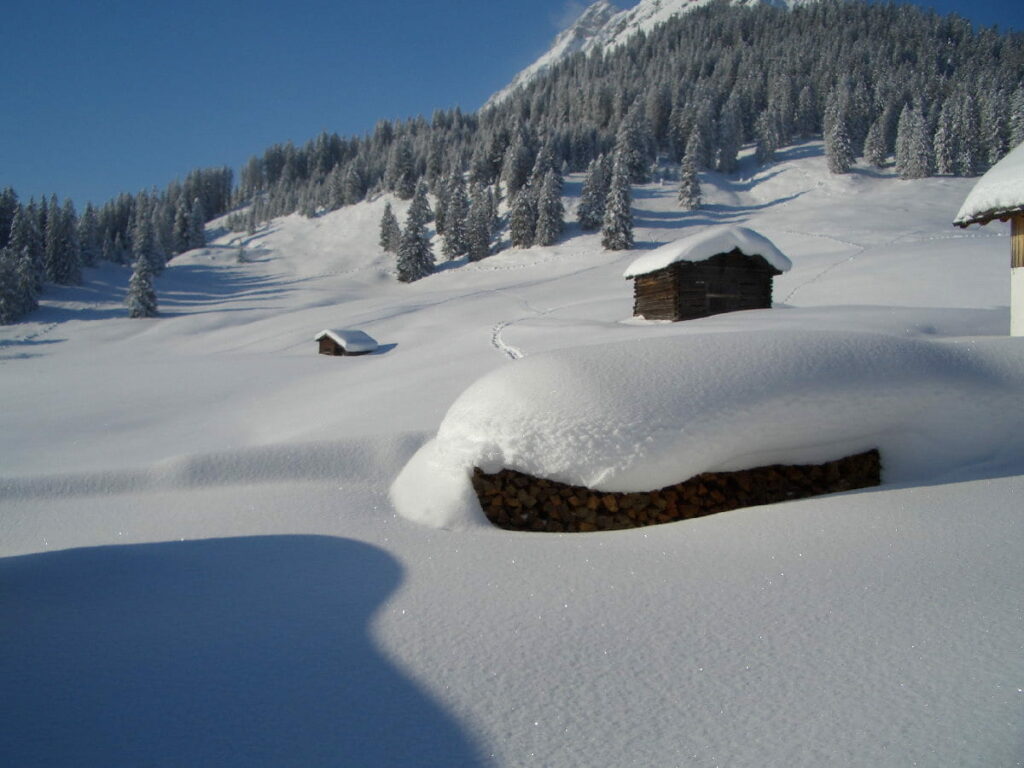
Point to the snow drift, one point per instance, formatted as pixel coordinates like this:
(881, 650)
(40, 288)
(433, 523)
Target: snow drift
(642, 415)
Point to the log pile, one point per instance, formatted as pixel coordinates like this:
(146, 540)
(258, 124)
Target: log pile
(520, 502)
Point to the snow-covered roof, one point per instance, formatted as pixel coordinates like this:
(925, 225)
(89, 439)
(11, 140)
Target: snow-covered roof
(998, 194)
(707, 243)
(351, 340)
(644, 414)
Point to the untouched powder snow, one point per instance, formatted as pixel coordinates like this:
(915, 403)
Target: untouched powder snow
(641, 415)
(200, 563)
(704, 245)
(999, 192)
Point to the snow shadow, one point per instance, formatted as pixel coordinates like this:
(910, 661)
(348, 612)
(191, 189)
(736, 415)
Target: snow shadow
(228, 652)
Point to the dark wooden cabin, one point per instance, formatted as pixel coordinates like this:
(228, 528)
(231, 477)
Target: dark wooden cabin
(684, 282)
(726, 282)
(332, 342)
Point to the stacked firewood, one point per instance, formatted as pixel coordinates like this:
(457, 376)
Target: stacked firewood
(517, 501)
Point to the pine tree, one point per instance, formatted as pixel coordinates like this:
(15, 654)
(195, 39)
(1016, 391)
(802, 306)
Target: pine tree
(89, 236)
(141, 298)
(61, 255)
(875, 145)
(689, 186)
(25, 237)
(415, 260)
(944, 142)
(913, 150)
(455, 237)
(1016, 118)
(767, 138)
(390, 232)
(515, 169)
(522, 223)
(550, 211)
(196, 225)
(730, 136)
(617, 232)
(401, 172)
(8, 207)
(633, 143)
(590, 211)
(478, 223)
(837, 146)
(143, 242)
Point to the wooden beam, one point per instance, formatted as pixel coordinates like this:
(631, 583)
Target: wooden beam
(1017, 241)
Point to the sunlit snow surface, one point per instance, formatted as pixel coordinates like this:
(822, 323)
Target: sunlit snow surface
(641, 415)
(1001, 189)
(200, 563)
(708, 242)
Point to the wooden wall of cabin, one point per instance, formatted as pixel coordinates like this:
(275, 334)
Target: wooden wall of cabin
(727, 282)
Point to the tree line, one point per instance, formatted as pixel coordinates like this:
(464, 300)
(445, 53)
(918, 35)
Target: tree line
(49, 242)
(896, 85)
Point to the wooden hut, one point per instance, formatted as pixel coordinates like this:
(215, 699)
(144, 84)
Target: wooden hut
(720, 269)
(332, 342)
(999, 194)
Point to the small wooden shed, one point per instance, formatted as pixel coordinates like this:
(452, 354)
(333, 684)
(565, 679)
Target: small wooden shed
(334, 342)
(720, 269)
(999, 194)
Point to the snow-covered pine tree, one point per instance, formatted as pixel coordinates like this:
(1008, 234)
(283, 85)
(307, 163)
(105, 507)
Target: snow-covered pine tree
(617, 229)
(8, 207)
(89, 236)
(141, 297)
(415, 260)
(457, 210)
(994, 109)
(478, 223)
(633, 143)
(944, 146)
(689, 186)
(590, 211)
(25, 237)
(515, 169)
(401, 172)
(730, 136)
(143, 243)
(181, 231)
(1016, 118)
(913, 149)
(390, 232)
(550, 211)
(522, 222)
(196, 225)
(697, 149)
(876, 148)
(444, 188)
(837, 146)
(62, 259)
(10, 302)
(967, 125)
(767, 137)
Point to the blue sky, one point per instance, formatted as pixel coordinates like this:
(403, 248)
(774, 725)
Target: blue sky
(109, 96)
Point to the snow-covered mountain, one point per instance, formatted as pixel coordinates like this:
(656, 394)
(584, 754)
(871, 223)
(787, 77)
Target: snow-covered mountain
(604, 25)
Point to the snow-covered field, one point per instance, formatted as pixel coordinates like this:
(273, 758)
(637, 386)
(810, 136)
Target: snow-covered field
(202, 564)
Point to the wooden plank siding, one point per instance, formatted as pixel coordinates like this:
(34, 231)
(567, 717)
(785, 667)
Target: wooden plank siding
(1017, 241)
(726, 282)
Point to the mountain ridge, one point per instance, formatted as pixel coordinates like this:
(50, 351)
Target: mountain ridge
(604, 25)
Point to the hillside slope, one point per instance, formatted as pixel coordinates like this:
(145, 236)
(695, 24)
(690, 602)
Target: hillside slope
(201, 563)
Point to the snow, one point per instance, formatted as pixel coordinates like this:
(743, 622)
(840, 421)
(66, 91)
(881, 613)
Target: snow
(603, 27)
(705, 244)
(201, 563)
(351, 340)
(645, 414)
(998, 193)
